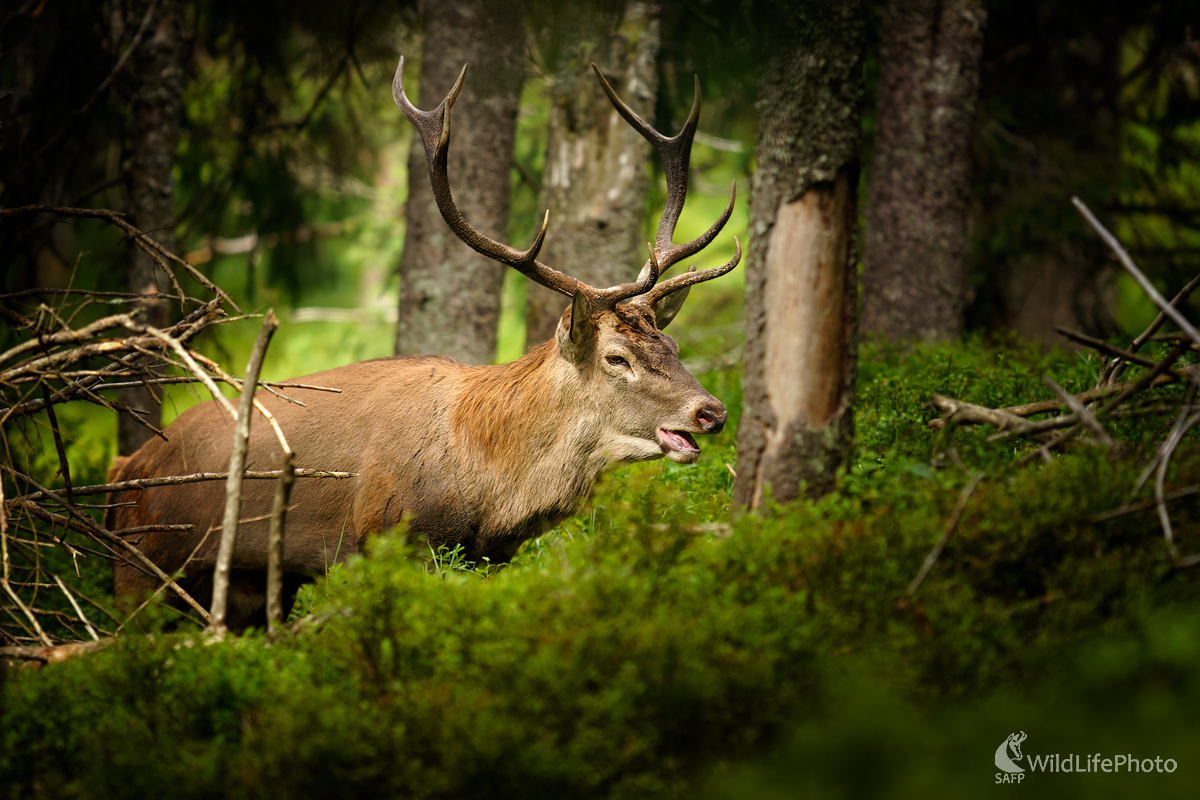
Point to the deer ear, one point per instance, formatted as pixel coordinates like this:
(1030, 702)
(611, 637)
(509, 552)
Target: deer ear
(575, 329)
(581, 318)
(666, 308)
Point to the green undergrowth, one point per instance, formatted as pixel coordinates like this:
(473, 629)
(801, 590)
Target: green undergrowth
(660, 645)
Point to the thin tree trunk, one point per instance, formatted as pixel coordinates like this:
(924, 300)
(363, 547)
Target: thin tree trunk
(157, 104)
(449, 294)
(915, 276)
(800, 364)
(595, 180)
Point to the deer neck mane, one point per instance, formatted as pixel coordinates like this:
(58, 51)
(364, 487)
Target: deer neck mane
(533, 438)
(526, 410)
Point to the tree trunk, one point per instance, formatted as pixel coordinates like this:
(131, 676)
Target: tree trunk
(154, 132)
(800, 363)
(449, 294)
(915, 276)
(595, 181)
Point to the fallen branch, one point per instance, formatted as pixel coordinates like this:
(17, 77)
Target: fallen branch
(1121, 511)
(1042, 406)
(962, 411)
(1113, 369)
(1083, 413)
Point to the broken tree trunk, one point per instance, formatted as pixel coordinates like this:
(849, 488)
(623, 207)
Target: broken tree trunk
(797, 418)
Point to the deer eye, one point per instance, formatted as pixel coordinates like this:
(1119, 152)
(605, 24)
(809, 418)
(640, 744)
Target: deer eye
(616, 361)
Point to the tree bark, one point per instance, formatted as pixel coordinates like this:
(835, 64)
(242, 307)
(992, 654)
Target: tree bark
(594, 182)
(154, 133)
(800, 363)
(915, 275)
(449, 294)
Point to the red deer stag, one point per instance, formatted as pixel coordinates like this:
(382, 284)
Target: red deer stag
(484, 457)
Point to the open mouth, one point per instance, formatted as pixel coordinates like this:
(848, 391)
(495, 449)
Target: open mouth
(678, 445)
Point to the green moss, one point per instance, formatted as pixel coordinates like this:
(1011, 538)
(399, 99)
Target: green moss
(658, 635)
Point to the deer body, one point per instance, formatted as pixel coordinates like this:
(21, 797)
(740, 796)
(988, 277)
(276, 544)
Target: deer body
(483, 457)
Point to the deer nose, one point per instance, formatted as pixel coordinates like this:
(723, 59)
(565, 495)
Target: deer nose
(711, 419)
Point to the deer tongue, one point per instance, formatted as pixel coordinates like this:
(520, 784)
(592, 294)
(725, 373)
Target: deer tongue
(678, 441)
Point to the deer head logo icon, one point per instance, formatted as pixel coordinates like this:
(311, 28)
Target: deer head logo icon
(1013, 742)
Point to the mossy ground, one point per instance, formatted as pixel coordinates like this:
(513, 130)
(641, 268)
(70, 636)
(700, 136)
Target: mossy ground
(660, 644)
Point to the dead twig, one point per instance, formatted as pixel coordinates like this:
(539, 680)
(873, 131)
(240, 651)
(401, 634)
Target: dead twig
(1042, 406)
(105, 534)
(1128, 508)
(176, 480)
(1127, 262)
(962, 411)
(1114, 368)
(1112, 350)
(233, 486)
(275, 543)
(1083, 413)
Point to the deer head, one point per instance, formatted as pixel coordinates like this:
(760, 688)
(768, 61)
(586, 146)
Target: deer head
(610, 341)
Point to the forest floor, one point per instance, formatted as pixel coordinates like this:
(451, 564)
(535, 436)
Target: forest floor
(662, 644)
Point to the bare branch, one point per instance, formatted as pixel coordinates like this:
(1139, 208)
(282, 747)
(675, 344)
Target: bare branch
(1132, 269)
(1114, 369)
(233, 486)
(1083, 413)
(1112, 350)
(176, 480)
(103, 533)
(961, 411)
(275, 543)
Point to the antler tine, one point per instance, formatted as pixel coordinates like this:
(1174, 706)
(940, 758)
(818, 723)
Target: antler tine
(675, 153)
(434, 129)
(644, 283)
(690, 278)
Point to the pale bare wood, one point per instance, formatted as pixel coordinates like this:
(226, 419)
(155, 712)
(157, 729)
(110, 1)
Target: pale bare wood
(963, 412)
(237, 463)
(805, 346)
(1083, 413)
(1042, 406)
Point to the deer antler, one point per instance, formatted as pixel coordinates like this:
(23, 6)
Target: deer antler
(675, 152)
(434, 128)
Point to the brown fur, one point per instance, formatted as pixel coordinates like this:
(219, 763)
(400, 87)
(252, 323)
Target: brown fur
(483, 457)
